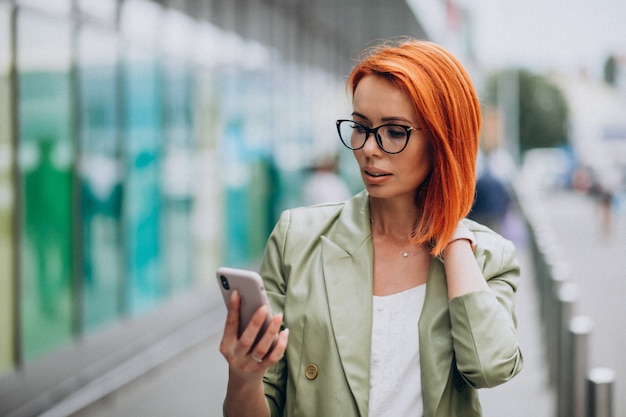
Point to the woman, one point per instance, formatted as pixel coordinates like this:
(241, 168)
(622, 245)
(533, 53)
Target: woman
(393, 304)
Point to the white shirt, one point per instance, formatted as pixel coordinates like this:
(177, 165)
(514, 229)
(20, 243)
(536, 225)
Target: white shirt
(395, 384)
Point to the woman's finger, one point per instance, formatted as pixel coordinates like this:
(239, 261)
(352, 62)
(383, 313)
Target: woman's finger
(266, 342)
(231, 327)
(246, 341)
(232, 318)
(278, 351)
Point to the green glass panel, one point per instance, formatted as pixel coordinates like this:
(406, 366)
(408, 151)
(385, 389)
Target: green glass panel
(100, 178)
(7, 318)
(261, 197)
(45, 164)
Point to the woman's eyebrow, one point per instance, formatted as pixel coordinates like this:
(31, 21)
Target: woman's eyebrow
(396, 119)
(384, 119)
(359, 115)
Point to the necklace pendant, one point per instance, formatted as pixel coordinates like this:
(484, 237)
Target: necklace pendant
(405, 254)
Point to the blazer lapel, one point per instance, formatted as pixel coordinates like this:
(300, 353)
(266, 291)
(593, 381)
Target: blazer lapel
(435, 340)
(347, 258)
(347, 261)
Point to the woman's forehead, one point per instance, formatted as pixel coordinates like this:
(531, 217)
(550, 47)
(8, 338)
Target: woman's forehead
(377, 96)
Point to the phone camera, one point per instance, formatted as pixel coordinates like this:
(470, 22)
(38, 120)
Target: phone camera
(224, 282)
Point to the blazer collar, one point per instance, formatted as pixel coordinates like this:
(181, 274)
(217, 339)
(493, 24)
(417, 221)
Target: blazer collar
(435, 338)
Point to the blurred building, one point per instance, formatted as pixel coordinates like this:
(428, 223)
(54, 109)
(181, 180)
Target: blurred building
(142, 144)
(598, 123)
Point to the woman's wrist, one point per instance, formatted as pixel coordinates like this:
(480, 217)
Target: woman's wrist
(244, 395)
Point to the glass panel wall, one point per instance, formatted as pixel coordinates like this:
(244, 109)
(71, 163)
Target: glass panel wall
(7, 306)
(245, 89)
(142, 83)
(142, 200)
(153, 98)
(45, 164)
(207, 216)
(100, 177)
(176, 169)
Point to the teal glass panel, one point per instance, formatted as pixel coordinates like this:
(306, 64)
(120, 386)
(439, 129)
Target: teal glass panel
(142, 199)
(7, 318)
(249, 171)
(100, 178)
(176, 177)
(236, 177)
(45, 164)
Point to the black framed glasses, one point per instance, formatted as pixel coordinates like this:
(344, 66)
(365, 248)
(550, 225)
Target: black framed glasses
(391, 138)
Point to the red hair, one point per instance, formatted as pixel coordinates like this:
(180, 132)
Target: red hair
(444, 97)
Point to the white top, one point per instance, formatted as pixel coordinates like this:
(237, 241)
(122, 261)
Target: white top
(395, 384)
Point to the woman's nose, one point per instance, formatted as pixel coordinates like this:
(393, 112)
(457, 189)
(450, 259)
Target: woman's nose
(371, 145)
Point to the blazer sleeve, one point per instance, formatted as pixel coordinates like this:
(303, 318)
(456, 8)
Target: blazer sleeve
(274, 277)
(483, 323)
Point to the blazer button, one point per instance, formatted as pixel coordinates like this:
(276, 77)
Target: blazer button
(311, 371)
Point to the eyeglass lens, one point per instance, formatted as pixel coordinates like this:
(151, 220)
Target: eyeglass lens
(392, 138)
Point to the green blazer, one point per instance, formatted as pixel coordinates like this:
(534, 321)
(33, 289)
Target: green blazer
(317, 269)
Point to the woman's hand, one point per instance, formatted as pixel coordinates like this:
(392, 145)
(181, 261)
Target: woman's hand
(247, 363)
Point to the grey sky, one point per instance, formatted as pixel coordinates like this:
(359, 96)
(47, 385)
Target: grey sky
(541, 34)
(563, 34)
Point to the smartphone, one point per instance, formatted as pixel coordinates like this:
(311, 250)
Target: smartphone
(249, 284)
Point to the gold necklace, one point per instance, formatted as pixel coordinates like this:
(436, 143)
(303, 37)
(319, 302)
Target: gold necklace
(405, 254)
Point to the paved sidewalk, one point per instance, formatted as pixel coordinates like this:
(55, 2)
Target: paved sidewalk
(193, 384)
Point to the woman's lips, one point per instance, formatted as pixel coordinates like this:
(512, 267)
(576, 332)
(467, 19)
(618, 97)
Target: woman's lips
(375, 172)
(375, 176)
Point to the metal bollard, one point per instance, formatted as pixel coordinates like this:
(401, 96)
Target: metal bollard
(546, 252)
(567, 295)
(557, 271)
(540, 242)
(577, 364)
(600, 383)
(559, 274)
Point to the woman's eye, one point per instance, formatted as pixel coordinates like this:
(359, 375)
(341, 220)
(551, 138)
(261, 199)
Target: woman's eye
(396, 133)
(359, 128)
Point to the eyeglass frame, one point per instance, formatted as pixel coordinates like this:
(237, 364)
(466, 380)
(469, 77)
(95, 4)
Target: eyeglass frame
(374, 130)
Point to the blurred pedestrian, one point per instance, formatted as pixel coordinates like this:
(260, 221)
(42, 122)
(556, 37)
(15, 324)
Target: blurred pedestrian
(606, 183)
(393, 304)
(492, 200)
(324, 185)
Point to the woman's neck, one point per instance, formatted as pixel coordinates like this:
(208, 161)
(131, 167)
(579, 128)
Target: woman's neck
(395, 219)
